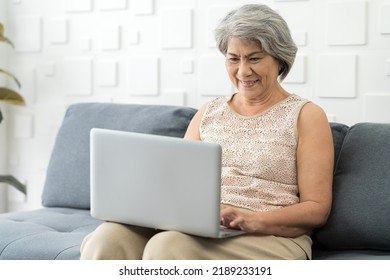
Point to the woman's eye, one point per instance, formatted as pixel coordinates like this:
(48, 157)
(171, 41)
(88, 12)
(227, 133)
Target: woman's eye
(254, 59)
(233, 59)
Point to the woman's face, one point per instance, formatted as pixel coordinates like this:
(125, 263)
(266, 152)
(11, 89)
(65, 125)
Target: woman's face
(252, 71)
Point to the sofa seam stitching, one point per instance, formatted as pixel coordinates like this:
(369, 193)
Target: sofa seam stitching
(13, 241)
(59, 253)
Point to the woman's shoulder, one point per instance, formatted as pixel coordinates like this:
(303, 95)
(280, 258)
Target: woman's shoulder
(312, 116)
(213, 103)
(311, 109)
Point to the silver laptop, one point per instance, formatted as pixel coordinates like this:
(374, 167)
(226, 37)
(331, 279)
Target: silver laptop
(158, 182)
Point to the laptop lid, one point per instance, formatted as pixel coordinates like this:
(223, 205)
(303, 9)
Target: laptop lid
(156, 181)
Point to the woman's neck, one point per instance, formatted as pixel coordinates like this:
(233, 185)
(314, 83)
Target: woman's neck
(254, 105)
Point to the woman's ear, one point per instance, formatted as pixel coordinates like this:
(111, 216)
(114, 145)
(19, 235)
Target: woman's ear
(281, 69)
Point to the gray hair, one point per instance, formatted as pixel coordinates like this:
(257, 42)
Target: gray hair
(262, 25)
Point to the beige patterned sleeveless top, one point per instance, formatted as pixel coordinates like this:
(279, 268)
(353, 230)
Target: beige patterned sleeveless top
(258, 153)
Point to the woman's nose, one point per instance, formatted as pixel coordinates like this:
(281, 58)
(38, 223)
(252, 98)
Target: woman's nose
(244, 69)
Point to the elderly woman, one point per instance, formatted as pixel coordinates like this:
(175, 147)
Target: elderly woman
(277, 157)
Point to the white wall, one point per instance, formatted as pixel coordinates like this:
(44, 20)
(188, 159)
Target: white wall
(162, 51)
(3, 125)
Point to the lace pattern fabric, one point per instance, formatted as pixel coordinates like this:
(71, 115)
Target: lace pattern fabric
(259, 153)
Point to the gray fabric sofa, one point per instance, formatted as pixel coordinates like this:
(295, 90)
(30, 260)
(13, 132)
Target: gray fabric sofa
(358, 227)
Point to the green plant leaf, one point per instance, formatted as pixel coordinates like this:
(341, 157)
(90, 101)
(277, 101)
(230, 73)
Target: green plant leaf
(11, 96)
(3, 38)
(11, 180)
(11, 76)
(6, 94)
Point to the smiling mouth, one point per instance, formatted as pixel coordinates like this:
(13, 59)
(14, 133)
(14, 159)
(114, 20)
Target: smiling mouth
(249, 83)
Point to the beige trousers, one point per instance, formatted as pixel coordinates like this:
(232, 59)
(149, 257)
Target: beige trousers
(113, 241)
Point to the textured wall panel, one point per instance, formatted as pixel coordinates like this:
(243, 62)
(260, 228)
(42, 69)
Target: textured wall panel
(16, 196)
(337, 75)
(377, 107)
(133, 37)
(27, 36)
(187, 66)
(385, 19)
(107, 73)
(107, 5)
(49, 69)
(174, 97)
(109, 36)
(388, 68)
(142, 7)
(214, 15)
(47, 83)
(78, 5)
(76, 76)
(176, 28)
(23, 126)
(143, 76)
(85, 43)
(300, 38)
(297, 74)
(213, 78)
(347, 23)
(57, 29)
(27, 77)
(331, 117)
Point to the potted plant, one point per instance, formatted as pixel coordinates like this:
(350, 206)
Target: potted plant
(10, 96)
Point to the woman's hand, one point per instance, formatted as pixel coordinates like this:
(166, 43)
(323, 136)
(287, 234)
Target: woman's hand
(233, 217)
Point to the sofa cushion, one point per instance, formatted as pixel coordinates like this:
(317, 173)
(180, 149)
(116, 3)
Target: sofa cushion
(350, 254)
(44, 234)
(360, 213)
(67, 178)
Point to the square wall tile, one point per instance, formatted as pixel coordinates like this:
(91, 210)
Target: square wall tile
(142, 7)
(105, 5)
(28, 34)
(300, 38)
(109, 36)
(347, 23)
(388, 68)
(49, 68)
(187, 66)
(76, 76)
(143, 75)
(384, 19)
(337, 75)
(58, 30)
(213, 78)
(23, 126)
(133, 37)
(79, 5)
(297, 73)
(176, 28)
(85, 43)
(377, 107)
(214, 15)
(174, 97)
(107, 73)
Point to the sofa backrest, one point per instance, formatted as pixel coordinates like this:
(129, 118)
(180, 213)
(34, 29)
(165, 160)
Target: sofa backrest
(67, 178)
(360, 213)
(339, 131)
